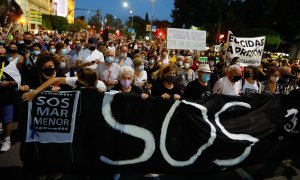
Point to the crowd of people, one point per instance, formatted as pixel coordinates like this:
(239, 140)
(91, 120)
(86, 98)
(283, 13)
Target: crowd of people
(78, 60)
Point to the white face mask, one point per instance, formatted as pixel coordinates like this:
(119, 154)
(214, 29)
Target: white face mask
(52, 50)
(62, 65)
(70, 43)
(274, 79)
(187, 65)
(179, 63)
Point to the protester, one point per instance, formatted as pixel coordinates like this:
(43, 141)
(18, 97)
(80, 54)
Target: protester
(123, 59)
(86, 78)
(125, 79)
(164, 85)
(230, 84)
(89, 58)
(108, 71)
(10, 79)
(140, 78)
(14, 56)
(270, 86)
(249, 83)
(200, 88)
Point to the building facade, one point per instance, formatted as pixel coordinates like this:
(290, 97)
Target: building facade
(33, 9)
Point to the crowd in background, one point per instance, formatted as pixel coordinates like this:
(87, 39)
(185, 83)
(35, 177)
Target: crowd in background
(78, 60)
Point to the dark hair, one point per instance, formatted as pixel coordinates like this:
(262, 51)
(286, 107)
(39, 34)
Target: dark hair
(272, 70)
(254, 70)
(87, 77)
(46, 57)
(59, 46)
(37, 45)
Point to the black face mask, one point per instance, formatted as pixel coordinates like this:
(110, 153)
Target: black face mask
(48, 71)
(92, 48)
(248, 75)
(236, 78)
(170, 79)
(12, 51)
(286, 76)
(27, 41)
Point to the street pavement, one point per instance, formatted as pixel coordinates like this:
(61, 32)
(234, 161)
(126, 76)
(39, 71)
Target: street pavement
(11, 168)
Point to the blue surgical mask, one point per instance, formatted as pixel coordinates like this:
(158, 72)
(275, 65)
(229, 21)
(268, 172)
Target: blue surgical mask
(64, 52)
(109, 59)
(36, 53)
(205, 77)
(141, 68)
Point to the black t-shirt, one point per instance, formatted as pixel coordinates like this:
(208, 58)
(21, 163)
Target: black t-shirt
(159, 89)
(196, 91)
(6, 93)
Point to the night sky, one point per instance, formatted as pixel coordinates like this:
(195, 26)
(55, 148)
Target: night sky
(163, 8)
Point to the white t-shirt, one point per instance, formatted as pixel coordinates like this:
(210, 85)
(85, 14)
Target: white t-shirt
(248, 88)
(71, 81)
(87, 56)
(225, 87)
(106, 73)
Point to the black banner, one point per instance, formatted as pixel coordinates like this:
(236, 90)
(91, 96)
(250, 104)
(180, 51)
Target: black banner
(157, 135)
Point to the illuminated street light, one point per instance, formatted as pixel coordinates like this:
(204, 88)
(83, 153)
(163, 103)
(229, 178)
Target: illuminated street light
(125, 4)
(131, 12)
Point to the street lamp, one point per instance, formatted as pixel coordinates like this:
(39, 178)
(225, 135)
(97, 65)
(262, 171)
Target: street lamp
(131, 12)
(125, 4)
(152, 20)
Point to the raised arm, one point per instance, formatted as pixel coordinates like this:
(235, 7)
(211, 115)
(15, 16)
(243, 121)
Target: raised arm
(31, 95)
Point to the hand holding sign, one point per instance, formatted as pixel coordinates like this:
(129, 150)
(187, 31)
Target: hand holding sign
(29, 96)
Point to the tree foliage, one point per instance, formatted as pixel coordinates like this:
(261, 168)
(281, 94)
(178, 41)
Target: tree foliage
(223, 15)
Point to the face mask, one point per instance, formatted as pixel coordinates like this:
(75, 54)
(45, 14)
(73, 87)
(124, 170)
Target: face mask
(247, 75)
(274, 79)
(236, 78)
(27, 41)
(170, 79)
(205, 77)
(12, 51)
(48, 71)
(238, 63)
(62, 65)
(179, 63)
(173, 53)
(70, 43)
(92, 48)
(186, 65)
(20, 42)
(141, 68)
(211, 63)
(151, 61)
(124, 54)
(125, 83)
(36, 41)
(46, 42)
(82, 47)
(286, 76)
(109, 59)
(64, 52)
(52, 50)
(164, 53)
(36, 53)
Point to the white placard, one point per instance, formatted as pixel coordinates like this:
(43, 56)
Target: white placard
(186, 39)
(249, 50)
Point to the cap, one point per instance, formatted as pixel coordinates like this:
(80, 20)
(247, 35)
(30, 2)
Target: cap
(92, 41)
(204, 68)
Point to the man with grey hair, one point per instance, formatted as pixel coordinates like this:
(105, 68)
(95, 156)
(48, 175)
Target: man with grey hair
(108, 71)
(230, 84)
